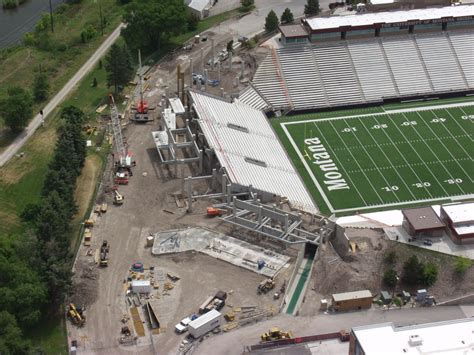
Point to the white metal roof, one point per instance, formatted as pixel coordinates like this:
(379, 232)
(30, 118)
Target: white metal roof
(206, 317)
(460, 213)
(381, 2)
(365, 19)
(447, 338)
(199, 5)
(464, 229)
(351, 295)
(140, 283)
(240, 134)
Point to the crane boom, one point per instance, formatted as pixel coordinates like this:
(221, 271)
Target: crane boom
(124, 159)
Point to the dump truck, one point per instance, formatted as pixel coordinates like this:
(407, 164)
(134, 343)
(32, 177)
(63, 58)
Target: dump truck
(104, 254)
(275, 334)
(265, 286)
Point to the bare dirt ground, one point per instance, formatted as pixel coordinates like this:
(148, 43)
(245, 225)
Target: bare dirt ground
(364, 269)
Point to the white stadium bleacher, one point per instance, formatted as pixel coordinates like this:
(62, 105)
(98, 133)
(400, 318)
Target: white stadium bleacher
(303, 77)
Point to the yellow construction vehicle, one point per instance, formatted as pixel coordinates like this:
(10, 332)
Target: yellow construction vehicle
(265, 286)
(76, 316)
(275, 334)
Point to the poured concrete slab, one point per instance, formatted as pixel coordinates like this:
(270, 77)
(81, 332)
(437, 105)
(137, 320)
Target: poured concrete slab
(219, 246)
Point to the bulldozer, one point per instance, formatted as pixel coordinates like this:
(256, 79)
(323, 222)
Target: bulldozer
(76, 316)
(275, 334)
(265, 286)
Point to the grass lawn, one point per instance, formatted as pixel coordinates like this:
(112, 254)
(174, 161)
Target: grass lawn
(379, 161)
(19, 65)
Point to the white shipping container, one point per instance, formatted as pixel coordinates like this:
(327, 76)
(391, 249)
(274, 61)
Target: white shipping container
(205, 323)
(141, 286)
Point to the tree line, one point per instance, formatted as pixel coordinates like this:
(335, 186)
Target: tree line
(35, 271)
(271, 21)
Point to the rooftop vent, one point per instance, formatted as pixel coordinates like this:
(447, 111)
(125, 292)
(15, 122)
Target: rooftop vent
(255, 161)
(238, 128)
(415, 340)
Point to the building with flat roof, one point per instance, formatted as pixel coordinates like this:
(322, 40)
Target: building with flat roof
(348, 301)
(422, 222)
(448, 337)
(388, 23)
(294, 33)
(460, 221)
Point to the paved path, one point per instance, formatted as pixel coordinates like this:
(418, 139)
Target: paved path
(20, 141)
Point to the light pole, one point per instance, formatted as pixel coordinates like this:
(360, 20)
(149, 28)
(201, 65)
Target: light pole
(51, 16)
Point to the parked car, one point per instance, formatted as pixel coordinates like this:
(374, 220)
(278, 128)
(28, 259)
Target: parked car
(428, 242)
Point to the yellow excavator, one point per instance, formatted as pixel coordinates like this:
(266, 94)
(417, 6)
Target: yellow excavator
(275, 334)
(76, 316)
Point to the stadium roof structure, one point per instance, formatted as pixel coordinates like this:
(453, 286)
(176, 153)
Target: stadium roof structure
(423, 218)
(247, 147)
(389, 17)
(448, 337)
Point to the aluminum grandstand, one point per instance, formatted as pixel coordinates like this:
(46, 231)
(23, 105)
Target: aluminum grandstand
(246, 146)
(369, 71)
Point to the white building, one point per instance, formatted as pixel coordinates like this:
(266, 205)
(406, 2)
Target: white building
(448, 338)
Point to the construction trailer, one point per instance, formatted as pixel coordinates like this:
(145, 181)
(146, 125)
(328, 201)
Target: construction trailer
(141, 286)
(205, 323)
(349, 301)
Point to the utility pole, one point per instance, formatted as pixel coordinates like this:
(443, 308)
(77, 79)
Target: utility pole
(51, 16)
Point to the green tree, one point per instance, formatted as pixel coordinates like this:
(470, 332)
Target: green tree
(271, 21)
(11, 338)
(247, 5)
(390, 278)
(430, 274)
(391, 258)
(193, 21)
(41, 87)
(312, 8)
(150, 23)
(118, 66)
(287, 16)
(461, 264)
(412, 271)
(17, 108)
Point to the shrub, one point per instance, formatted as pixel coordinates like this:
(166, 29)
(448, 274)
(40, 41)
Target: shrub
(390, 278)
(430, 274)
(412, 271)
(461, 264)
(391, 258)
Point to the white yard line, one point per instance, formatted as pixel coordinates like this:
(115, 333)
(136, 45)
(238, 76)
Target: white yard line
(334, 155)
(432, 151)
(462, 128)
(388, 159)
(425, 108)
(353, 157)
(372, 160)
(453, 136)
(418, 155)
(449, 152)
(310, 172)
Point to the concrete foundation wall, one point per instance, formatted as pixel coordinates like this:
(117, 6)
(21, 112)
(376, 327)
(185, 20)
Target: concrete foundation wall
(340, 241)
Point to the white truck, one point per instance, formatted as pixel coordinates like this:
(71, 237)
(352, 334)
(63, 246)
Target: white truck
(182, 326)
(205, 323)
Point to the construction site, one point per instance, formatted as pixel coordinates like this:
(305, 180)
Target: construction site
(202, 226)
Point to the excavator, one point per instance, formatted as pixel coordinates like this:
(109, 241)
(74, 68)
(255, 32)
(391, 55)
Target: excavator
(76, 315)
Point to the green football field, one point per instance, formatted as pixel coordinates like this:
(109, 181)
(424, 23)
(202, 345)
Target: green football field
(381, 160)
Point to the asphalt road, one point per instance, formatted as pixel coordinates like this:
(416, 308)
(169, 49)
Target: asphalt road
(20, 141)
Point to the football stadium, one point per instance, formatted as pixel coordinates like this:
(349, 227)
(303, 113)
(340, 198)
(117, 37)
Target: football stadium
(354, 113)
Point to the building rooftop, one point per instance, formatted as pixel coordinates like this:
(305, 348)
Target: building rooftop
(449, 338)
(338, 297)
(388, 17)
(199, 5)
(423, 218)
(460, 213)
(293, 31)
